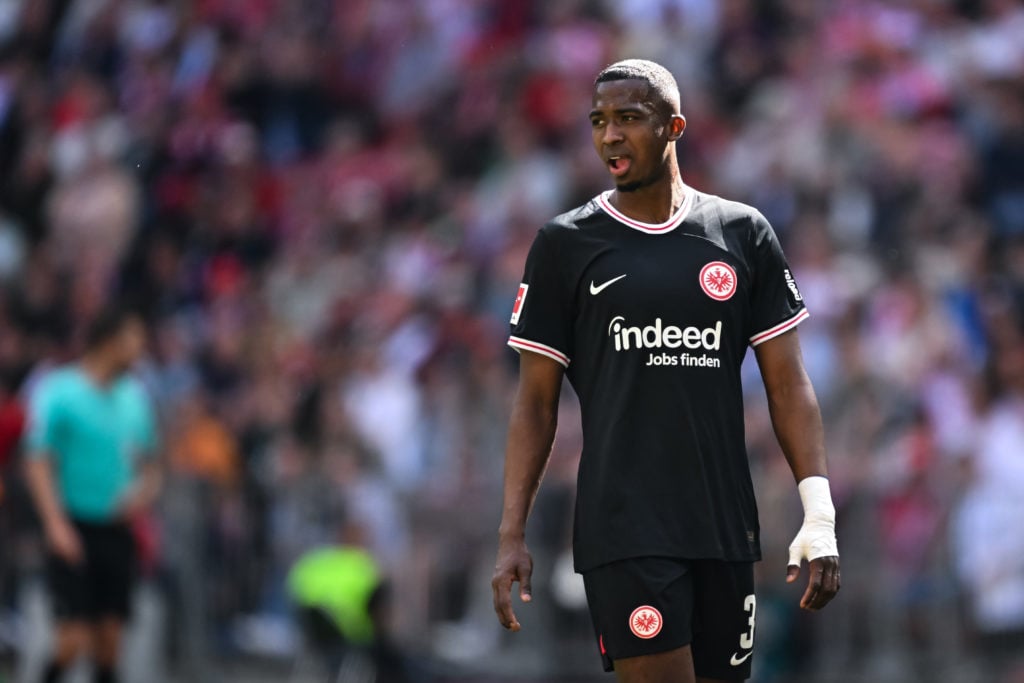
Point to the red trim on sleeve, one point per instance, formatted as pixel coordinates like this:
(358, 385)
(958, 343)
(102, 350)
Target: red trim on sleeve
(519, 343)
(782, 327)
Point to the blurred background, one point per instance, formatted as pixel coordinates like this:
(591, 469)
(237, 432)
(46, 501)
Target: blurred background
(323, 208)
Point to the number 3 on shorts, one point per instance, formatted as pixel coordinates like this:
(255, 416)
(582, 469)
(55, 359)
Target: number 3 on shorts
(749, 605)
(747, 639)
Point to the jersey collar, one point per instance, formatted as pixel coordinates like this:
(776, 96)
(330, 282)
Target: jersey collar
(653, 228)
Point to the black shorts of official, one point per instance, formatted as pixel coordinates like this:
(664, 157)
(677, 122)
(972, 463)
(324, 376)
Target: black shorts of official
(101, 585)
(648, 605)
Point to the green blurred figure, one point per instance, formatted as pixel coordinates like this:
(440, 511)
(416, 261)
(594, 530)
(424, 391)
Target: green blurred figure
(343, 600)
(339, 582)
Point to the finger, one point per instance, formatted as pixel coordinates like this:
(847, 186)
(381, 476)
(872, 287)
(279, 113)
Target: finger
(826, 586)
(831, 577)
(525, 585)
(795, 557)
(821, 596)
(77, 549)
(502, 587)
(67, 549)
(809, 600)
(792, 572)
(830, 581)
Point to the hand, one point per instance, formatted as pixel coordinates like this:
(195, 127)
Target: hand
(823, 583)
(131, 506)
(64, 542)
(514, 563)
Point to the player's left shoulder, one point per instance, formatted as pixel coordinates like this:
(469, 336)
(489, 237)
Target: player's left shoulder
(132, 387)
(730, 214)
(735, 227)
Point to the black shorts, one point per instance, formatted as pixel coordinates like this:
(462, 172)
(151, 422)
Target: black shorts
(101, 586)
(647, 605)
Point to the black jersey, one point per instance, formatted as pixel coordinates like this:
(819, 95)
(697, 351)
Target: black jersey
(652, 323)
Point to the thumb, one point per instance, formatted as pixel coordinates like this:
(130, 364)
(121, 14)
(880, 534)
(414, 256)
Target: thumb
(525, 585)
(793, 570)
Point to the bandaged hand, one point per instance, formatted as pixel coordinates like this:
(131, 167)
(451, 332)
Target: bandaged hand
(816, 543)
(817, 536)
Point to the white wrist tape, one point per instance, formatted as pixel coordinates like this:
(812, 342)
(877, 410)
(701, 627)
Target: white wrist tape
(817, 536)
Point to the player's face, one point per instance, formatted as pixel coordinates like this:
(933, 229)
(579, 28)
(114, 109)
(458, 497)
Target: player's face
(630, 134)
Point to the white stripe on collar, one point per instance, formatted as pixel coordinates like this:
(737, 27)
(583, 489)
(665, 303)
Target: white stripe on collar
(653, 228)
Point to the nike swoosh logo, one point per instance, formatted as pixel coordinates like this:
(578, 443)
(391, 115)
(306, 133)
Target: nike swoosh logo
(736, 661)
(600, 288)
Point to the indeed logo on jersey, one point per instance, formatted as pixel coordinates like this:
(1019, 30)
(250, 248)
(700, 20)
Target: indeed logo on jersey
(661, 336)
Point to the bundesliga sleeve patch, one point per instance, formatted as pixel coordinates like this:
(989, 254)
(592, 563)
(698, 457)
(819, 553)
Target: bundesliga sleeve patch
(517, 307)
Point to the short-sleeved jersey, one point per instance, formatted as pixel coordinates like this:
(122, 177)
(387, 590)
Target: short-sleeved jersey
(652, 323)
(93, 436)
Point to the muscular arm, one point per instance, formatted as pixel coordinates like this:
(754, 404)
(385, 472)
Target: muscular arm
(530, 434)
(793, 406)
(796, 420)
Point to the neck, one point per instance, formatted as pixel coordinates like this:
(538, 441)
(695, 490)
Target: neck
(101, 370)
(654, 203)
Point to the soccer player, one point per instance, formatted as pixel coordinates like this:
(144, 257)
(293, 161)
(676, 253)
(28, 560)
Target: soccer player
(646, 298)
(90, 470)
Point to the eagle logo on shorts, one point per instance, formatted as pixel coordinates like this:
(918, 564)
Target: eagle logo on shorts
(645, 622)
(718, 280)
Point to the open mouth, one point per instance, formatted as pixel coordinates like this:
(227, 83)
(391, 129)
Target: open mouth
(618, 165)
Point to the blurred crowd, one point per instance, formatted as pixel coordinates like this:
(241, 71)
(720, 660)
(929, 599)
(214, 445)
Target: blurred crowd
(323, 207)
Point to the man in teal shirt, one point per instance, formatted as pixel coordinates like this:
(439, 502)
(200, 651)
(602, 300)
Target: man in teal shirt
(90, 441)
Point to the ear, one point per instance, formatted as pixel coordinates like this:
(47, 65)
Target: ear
(676, 126)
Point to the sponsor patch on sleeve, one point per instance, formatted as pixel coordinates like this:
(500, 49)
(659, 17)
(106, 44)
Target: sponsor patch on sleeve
(791, 283)
(517, 307)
